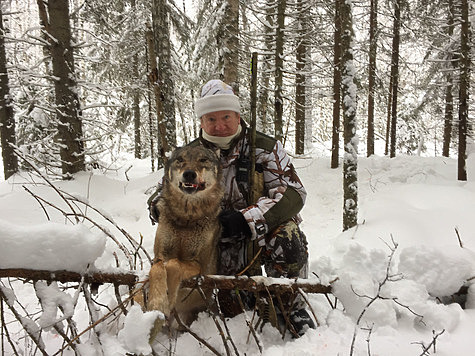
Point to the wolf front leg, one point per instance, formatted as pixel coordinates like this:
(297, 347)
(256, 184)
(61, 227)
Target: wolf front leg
(177, 271)
(158, 290)
(158, 296)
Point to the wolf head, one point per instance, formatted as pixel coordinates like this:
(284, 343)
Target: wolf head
(193, 170)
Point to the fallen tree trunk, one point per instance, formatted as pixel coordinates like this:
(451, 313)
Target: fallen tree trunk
(62, 276)
(256, 284)
(253, 284)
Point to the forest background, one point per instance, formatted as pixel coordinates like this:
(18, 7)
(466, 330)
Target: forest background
(108, 94)
(85, 83)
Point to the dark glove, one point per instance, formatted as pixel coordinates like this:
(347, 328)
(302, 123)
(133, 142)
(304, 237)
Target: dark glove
(234, 224)
(233, 242)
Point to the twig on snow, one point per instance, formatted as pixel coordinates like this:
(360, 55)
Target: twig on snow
(195, 335)
(425, 349)
(458, 237)
(388, 278)
(252, 331)
(216, 322)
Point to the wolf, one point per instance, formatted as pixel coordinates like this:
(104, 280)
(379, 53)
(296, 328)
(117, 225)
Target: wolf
(188, 230)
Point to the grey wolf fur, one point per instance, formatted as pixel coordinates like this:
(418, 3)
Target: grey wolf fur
(188, 230)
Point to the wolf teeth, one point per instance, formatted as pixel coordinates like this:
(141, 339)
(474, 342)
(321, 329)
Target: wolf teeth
(190, 185)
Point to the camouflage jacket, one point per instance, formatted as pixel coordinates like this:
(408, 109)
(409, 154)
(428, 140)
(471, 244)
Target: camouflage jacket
(283, 196)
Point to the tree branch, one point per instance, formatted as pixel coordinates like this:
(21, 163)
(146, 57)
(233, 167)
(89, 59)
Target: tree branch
(256, 284)
(128, 279)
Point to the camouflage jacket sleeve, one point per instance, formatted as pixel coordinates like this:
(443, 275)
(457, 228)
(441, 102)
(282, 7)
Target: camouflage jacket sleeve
(284, 192)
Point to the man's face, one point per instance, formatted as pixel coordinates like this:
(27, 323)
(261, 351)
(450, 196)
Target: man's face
(220, 123)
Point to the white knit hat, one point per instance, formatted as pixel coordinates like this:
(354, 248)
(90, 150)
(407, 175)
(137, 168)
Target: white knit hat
(216, 96)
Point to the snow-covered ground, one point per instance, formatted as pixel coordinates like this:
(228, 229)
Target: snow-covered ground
(413, 202)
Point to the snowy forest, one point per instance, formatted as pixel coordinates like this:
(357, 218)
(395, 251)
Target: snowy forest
(91, 90)
(131, 71)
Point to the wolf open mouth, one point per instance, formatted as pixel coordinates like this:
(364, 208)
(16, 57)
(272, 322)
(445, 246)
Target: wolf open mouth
(192, 187)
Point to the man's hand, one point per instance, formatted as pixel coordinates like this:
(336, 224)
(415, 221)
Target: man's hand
(234, 224)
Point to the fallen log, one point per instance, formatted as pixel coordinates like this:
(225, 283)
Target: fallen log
(256, 284)
(63, 276)
(253, 284)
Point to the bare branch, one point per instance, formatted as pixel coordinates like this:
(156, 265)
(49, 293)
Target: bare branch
(458, 237)
(195, 335)
(35, 338)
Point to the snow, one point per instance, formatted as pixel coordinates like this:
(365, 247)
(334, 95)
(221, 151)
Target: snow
(51, 297)
(136, 332)
(387, 273)
(37, 246)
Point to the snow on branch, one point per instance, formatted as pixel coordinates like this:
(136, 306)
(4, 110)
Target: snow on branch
(256, 284)
(128, 279)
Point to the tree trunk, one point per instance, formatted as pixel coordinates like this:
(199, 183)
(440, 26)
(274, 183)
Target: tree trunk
(279, 70)
(464, 91)
(7, 119)
(137, 123)
(350, 160)
(336, 86)
(260, 284)
(449, 98)
(388, 117)
(129, 279)
(68, 111)
(161, 34)
(395, 74)
(266, 69)
(154, 82)
(228, 44)
(300, 77)
(136, 103)
(373, 23)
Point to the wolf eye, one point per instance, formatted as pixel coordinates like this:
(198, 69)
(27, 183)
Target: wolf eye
(203, 160)
(180, 159)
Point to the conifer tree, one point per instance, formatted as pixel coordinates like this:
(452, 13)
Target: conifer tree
(336, 85)
(372, 75)
(464, 90)
(395, 76)
(68, 110)
(279, 70)
(7, 119)
(348, 90)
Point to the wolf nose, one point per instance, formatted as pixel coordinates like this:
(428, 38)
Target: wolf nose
(189, 175)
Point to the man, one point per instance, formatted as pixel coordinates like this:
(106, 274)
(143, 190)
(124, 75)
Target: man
(266, 230)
